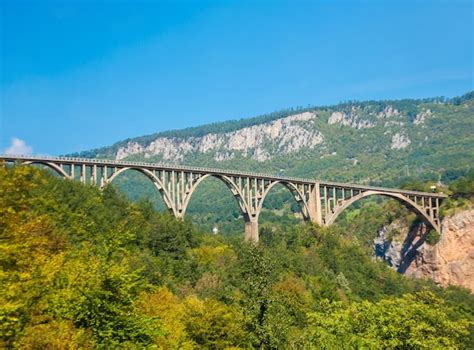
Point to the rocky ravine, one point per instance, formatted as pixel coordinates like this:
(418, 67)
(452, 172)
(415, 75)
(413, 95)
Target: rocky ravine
(451, 260)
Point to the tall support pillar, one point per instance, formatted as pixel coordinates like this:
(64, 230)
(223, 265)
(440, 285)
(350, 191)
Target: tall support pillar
(83, 174)
(94, 175)
(314, 205)
(319, 209)
(104, 176)
(251, 230)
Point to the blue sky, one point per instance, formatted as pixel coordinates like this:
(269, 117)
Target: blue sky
(77, 75)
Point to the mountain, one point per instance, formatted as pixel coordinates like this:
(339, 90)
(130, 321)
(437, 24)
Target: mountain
(377, 142)
(388, 143)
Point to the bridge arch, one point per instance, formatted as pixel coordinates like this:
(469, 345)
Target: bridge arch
(298, 196)
(231, 185)
(154, 179)
(321, 202)
(56, 168)
(407, 202)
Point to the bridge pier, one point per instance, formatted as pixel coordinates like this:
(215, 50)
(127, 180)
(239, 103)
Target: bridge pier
(314, 206)
(321, 202)
(251, 231)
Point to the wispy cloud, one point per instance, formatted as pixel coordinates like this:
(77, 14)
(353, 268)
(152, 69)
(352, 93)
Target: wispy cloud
(18, 147)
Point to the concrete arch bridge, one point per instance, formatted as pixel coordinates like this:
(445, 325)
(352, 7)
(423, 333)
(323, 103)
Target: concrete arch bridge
(320, 201)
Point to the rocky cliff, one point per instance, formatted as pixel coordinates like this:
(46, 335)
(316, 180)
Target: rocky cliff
(281, 136)
(451, 260)
(286, 135)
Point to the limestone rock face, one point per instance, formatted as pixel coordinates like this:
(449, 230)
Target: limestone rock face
(316, 132)
(451, 260)
(386, 249)
(400, 141)
(421, 117)
(388, 112)
(132, 148)
(352, 119)
(285, 135)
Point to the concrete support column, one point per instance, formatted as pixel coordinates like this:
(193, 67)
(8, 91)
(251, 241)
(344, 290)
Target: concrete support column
(94, 175)
(83, 173)
(251, 230)
(314, 206)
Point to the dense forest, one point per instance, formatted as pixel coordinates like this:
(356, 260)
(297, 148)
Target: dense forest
(81, 268)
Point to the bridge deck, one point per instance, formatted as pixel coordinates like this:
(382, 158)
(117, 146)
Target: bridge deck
(214, 171)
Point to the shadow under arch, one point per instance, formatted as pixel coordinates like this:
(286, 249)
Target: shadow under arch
(56, 168)
(157, 184)
(405, 201)
(297, 195)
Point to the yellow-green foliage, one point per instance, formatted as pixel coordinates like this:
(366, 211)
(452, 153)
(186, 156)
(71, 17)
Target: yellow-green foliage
(85, 269)
(169, 314)
(418, 321)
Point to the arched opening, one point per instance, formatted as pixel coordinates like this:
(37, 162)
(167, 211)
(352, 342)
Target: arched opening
(136, 185)
(280, 211)
(214, 208)
(53, 168)
(388, 225)
(408, 203)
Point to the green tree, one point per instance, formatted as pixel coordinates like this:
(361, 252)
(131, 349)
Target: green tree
(414, 321)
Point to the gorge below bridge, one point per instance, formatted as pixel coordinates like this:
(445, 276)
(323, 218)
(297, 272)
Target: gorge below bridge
(320, 201)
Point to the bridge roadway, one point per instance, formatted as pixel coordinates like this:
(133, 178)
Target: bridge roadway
(320, 201)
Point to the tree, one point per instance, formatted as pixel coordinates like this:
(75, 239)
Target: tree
(263, 320)
(414, 321)
(212, 324)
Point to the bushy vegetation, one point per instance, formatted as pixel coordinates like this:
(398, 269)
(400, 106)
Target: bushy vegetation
(80, 268)
(461, 195)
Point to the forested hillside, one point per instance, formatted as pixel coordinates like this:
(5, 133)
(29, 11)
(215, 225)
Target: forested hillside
(388, 143)
(80, 268)
(379, 142)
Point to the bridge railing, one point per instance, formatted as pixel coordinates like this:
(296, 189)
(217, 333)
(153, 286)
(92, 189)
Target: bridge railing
(205, 170)
(382, 189)
(157, 166)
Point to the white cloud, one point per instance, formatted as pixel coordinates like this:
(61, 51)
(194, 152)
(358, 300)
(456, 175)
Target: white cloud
(18, 147)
